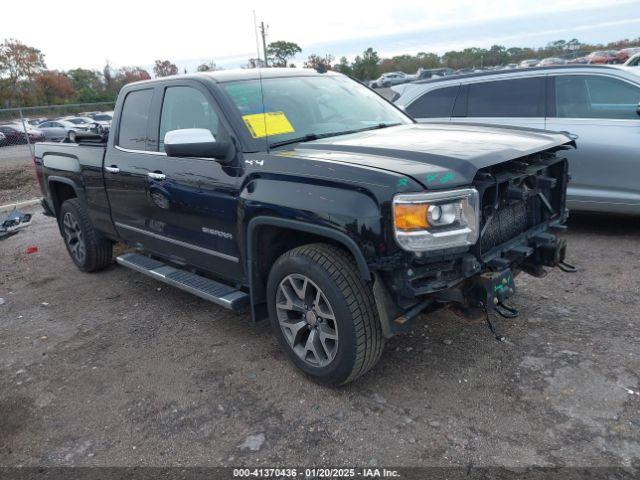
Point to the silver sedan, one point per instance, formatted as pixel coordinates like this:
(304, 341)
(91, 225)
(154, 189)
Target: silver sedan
(56, 130)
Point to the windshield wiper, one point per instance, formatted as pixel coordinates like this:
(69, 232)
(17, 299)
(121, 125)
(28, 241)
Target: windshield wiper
(316, 136)
(306, 138)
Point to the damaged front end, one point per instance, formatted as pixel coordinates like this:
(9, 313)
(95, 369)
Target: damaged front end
(519, 202)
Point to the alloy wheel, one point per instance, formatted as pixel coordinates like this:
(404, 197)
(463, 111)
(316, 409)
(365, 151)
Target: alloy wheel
(74, 238)
(307, 320)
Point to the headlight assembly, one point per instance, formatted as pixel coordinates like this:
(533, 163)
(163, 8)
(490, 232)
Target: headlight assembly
(436, 220)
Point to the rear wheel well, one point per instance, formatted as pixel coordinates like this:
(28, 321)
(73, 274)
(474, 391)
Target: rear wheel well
(61, 192)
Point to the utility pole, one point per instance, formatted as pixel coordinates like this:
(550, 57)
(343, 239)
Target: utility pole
(263, 32)
(255, 31)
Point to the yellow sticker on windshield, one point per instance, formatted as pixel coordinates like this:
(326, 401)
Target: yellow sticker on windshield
(265, 124)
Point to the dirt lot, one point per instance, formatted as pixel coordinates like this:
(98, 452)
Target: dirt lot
(17, 175)
(117, 369)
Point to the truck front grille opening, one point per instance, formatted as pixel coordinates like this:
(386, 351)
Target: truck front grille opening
(517, 198)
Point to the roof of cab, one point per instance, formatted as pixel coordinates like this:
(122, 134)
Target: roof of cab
(256, 73)
(222, 76)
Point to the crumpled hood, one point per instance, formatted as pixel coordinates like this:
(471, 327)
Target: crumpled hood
(437, 155)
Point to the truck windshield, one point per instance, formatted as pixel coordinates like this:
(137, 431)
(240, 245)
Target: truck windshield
(304, 108)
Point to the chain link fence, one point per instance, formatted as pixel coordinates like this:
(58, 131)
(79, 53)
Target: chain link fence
(22, 128)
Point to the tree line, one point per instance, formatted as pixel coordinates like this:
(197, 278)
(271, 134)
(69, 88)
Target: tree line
(369, 65)
(25, 79)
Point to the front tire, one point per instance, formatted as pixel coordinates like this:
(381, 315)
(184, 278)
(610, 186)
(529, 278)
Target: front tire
(89, 250)
(323, 314)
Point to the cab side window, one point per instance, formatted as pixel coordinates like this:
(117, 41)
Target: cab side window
(595, 96)
(186, 107)
(434, 104)
(134, 119)
(522, 97)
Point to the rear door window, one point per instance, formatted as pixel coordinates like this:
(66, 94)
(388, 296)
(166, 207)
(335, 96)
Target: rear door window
(595, 96)
(522, 97)
(434, 104)
(134, 119)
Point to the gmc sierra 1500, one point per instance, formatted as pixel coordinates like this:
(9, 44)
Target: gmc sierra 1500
(314, 201)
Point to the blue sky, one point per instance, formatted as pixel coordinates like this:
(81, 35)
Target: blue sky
(191, 31)
(592, 22)
(600, 24)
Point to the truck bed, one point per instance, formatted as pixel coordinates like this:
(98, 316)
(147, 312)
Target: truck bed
(77, 166)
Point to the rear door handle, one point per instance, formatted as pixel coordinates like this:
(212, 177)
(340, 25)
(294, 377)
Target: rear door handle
(156, 175)
(112, 169)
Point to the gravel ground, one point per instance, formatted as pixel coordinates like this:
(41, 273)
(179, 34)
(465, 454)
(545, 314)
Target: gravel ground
(117, 369)
(15, 156)
(17, 176)
(17, 184)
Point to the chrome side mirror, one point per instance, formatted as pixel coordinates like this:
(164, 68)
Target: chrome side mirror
(194, 142)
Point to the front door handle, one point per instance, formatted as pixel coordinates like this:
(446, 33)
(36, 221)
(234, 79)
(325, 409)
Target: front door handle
(156, 175)
(112, 169)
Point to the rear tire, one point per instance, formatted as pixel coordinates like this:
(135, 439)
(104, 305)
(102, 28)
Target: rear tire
(88, 248)
(323, 314)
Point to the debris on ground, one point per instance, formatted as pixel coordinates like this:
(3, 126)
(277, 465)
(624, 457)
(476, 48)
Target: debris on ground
(31, 249)
(13, 222)
(253, 442)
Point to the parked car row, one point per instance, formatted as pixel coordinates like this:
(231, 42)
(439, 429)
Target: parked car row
(15, 134)
(600, 57)
(396, 78)
(599, 105)
(57, 129)
(390, 79)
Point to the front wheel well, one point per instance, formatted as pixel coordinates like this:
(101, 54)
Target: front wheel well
(271, 241)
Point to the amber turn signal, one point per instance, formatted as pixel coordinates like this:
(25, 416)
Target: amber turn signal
(411, 216)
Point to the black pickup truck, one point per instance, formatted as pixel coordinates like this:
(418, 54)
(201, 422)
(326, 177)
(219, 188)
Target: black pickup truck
(312, 200)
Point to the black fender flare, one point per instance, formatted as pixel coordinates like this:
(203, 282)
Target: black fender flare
(58, 179)
(319, 230)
